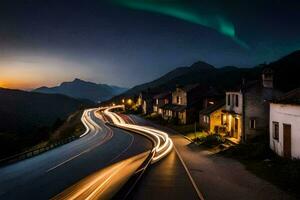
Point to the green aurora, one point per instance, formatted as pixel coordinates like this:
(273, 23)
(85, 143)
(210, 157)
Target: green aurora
(186, 12)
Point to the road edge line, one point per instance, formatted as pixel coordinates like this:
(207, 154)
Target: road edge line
(200, 196)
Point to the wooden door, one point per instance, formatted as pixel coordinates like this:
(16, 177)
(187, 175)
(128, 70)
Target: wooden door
(236, 127)
(287, 146)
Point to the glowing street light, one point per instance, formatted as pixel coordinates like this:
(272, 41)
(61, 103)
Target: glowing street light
(129, 101)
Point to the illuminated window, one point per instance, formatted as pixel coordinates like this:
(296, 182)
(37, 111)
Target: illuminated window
(156, 101)
(276, 130)
(179, 100)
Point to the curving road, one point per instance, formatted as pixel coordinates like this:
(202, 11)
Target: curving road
(59, 170)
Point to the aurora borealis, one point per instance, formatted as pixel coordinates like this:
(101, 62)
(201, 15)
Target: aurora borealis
(185, 11)
(128, 42)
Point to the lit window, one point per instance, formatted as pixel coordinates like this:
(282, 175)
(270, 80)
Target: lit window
(179, 100)
(211, 103)
(276, 130)
(252, 123)
(156, 101)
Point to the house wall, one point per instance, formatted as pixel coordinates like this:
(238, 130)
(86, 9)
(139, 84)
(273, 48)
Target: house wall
(182, 117)
(231, 106)
(215, 120)
(204, 122)
(285, 114)
(144, 107)
(179, 93)
(147, 107)
(256, 108)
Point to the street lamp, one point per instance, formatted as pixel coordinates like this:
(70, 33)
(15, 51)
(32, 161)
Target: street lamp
(129, 101)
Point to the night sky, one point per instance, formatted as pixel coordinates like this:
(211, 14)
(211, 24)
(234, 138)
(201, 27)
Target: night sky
(127, 42)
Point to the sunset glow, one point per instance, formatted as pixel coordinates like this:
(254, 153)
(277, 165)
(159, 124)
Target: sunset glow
(30, 72)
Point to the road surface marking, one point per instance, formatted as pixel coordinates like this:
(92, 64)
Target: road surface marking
(60, 164)
(106, 138)
(201, 197)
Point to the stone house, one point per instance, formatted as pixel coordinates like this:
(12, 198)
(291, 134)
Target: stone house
(246, 113)
(186, 103)
(145, 101)
(160, 100)
(285, 125)
(211, 118)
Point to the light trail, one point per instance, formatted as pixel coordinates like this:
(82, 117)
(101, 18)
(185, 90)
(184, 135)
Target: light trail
(162, 142)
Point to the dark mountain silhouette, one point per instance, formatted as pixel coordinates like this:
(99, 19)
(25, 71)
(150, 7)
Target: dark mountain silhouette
(200, 72)
(22, 112)
(27, 118)
(286, 71)
(83, 90)
(286, 76)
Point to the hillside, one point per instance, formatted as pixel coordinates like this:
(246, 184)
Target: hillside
(286, 71)
(83, 90)
(27, 117)
(285, 76)
(199, 72)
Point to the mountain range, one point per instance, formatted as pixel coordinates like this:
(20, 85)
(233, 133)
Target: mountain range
(285, 76)
(83, 90)
(27, 117)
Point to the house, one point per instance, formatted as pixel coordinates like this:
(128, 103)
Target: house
(145, 100)
(246, 113)
(285, 125)
(160, 100)
(211, 118)
(186, 102)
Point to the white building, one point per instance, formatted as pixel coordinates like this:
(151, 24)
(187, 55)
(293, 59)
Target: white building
(285, 125)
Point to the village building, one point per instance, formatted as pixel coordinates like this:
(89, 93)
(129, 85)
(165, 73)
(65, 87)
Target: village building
(211, 118)
(285, 125)
(145, 101)
(186, 103)
(246, 112)
(160, 100)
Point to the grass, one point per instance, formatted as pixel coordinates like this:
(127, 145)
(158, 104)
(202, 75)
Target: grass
(261, 161)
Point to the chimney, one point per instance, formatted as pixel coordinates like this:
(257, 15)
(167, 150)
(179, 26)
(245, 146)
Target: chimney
(267, 78)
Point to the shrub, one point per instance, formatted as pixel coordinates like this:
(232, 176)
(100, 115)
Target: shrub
(210, 140)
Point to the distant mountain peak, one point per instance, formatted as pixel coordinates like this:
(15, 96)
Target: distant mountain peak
(82, 89)
(202, 66)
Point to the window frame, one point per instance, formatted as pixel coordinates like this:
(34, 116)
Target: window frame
(237, 100)
(254, 124)
(228, 99)
(275, 134)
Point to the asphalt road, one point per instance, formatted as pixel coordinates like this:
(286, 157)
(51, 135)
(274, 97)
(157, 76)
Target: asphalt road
(166, 179)
(50, 173)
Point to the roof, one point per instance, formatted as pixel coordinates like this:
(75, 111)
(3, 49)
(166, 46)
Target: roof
(292, 97)
(212, 108)
(174, 107)
(162, 95)
(147, 95)
(244, 86)
(187, 88)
